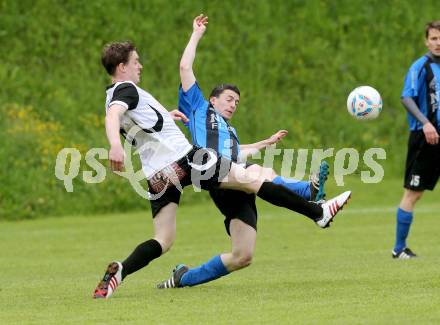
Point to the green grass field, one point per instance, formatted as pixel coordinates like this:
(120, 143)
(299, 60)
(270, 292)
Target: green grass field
(300, 274)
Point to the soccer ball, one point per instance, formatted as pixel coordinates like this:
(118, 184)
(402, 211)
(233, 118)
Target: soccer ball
(364, 103)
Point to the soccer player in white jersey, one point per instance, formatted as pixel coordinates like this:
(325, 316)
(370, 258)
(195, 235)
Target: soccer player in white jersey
(170, 163)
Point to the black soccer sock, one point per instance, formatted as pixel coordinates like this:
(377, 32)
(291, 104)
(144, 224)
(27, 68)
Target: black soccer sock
(283, 197)
(142, 255)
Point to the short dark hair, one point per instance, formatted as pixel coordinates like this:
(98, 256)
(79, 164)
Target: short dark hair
(219, 89)
(432, 25)
(115, 53)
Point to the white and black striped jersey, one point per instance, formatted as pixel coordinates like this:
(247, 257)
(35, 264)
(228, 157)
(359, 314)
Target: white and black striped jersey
(148, 126)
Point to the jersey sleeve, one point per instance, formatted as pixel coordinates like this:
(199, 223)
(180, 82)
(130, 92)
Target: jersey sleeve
(125, 95)
(191, 100)
(413, 81)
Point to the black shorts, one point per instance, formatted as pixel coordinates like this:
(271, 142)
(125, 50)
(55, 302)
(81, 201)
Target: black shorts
(235, 205)
(200, 166)
(422, 163)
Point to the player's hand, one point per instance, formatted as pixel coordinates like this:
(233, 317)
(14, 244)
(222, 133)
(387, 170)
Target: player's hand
(199, 24)
(275, 138)
(178, 116)
(431, 134)
(116, 157)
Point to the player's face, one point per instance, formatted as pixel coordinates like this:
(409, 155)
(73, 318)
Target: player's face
(433, 41)
(226, 103)
(133, 68)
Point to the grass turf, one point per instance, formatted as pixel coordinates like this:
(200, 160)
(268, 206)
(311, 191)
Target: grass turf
(300, 273)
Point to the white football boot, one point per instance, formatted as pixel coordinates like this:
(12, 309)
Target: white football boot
(331, 207)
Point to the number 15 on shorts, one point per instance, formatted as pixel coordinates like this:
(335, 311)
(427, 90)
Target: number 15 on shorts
(415, 180)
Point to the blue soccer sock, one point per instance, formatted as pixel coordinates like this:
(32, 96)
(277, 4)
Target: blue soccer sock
(404, 220)
(211, 270)
(299, 187)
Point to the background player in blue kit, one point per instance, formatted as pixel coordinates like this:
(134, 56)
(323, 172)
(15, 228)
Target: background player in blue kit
(420, 97)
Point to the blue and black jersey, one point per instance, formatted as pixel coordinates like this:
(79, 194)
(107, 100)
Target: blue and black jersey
(422, 83)
(208, 128)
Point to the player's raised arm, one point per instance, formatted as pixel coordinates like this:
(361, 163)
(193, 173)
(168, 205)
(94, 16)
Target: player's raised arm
(112, 126)
(187, 76)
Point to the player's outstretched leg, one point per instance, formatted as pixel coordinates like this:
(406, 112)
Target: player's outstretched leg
(111, 280)
(331, 207)
(164, 232)
(242, 179)
(141, 256)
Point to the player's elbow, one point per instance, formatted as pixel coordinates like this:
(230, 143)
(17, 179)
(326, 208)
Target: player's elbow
(184, 67)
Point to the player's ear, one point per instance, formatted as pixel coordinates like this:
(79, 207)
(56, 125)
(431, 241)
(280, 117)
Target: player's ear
(120, 67)
(213, 100)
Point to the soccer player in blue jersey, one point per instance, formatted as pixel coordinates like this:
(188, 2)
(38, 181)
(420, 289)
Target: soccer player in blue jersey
(420, 97)
(210, 128)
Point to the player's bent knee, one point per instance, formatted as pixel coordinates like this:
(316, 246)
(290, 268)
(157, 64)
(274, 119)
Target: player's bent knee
(271, 174)
(247, 186)
(243, 260)
(252, 187)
